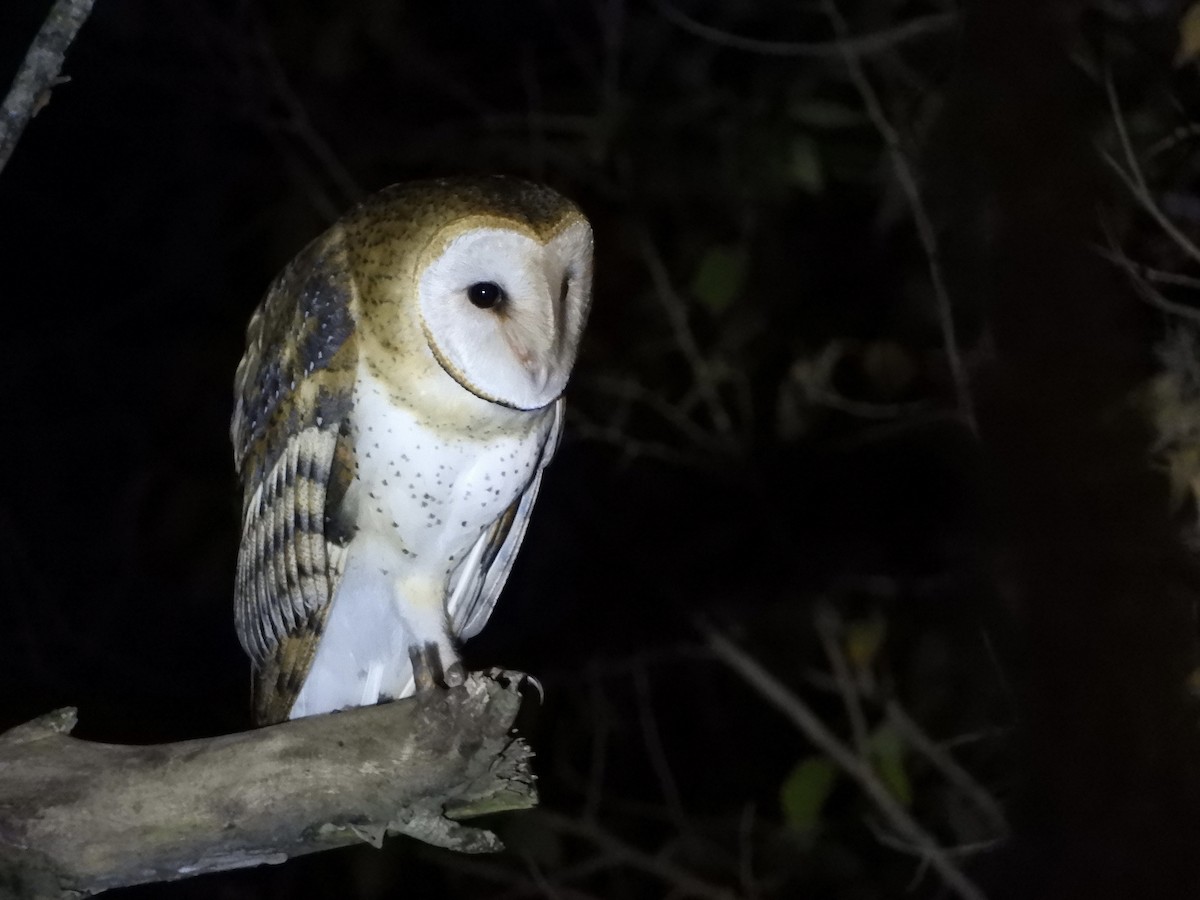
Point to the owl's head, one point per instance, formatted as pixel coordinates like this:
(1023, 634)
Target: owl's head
(501, 278)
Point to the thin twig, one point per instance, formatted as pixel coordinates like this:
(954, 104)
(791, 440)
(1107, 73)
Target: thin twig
(39, 70)
(916, 738)
(655, 750)
(547, 889)
(746, 852)
(958, 850)
(676, 312)
(1135, 181)
(807, 721)
(862, 45)
(908, 184)
(677, 418)
(976, 737)
(668, 872)
(1131, 181)
(631, 447)
(1146, 291)
(519, 885)
(1113, 253)
(864, 409)
(300, 124)
(813, 377)
(1174, 139)
(829, 630)
(1161, 276)
(1110, 90)
(599, 863)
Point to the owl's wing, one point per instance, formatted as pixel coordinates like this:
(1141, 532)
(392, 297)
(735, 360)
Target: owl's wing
(478, 581)
(294, 390)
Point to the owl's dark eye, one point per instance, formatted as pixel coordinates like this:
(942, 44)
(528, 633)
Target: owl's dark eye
(485, 294)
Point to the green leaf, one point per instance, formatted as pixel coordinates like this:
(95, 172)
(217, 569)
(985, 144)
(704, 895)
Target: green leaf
(804, 792)
(887, 751)
(719, 278)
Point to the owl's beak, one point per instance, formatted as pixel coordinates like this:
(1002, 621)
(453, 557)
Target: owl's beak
(533, 362)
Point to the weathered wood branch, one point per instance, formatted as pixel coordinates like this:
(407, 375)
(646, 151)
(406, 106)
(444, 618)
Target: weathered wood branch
(39, 71)
(78, 817)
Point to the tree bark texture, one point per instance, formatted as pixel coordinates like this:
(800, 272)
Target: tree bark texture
(84, 817)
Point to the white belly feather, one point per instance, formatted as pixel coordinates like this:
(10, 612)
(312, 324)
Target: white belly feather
(421, 499)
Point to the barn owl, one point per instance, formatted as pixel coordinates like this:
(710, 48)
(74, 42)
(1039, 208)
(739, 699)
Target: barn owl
(399, 397)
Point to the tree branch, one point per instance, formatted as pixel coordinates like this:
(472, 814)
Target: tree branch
(809, 724)
(77, 816)
(906, 177)
(39, 71)
(877, 42)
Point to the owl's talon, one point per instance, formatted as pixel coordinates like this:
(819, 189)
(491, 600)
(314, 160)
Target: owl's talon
(541, 690)
(426, 666)
(430, 672)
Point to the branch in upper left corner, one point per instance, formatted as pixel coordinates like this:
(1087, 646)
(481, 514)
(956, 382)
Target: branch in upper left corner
(39, 71)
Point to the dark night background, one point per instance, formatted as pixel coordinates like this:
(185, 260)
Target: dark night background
(1029, 593)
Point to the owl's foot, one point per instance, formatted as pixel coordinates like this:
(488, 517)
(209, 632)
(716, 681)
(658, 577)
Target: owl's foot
(541, 690)
(429, 670)
(507, 677)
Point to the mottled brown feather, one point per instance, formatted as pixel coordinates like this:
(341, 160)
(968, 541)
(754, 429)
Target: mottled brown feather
(294, 391)
(278, 680)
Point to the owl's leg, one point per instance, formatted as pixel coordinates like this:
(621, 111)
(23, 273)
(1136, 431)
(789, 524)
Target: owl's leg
(430, 671)
(435, 662)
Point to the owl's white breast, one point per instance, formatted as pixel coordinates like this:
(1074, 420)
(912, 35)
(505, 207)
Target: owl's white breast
(429, 489)
(423, 492)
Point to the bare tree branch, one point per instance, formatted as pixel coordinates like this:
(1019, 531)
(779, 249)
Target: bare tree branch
(907, 179)
(77, 816)
(810, 724)
(940, 757)
(1135, 181)
(683, 882)
(39, 70)
(685, 339)
(298, 123)
(868, 43)
(1141, 278)
(830, 629)
(655, 750)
